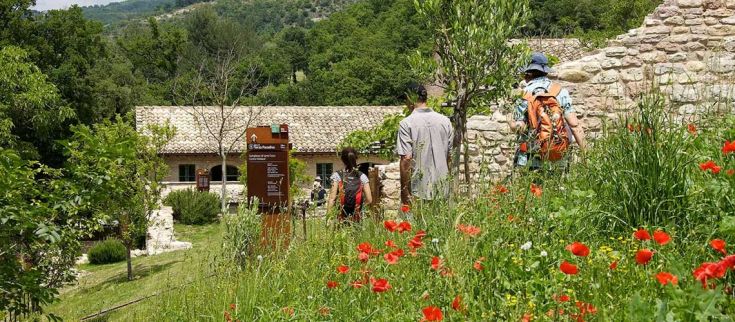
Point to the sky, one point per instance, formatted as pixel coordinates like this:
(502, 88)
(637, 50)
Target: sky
(42, 5)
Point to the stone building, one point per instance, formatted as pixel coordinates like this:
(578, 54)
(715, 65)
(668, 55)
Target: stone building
(315, 132)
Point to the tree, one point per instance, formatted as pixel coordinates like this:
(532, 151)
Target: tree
(120, 170)
(216, 83)
(475, 62)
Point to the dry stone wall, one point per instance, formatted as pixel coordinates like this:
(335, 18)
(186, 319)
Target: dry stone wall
(685, 49)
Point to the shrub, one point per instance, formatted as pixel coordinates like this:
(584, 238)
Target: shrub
(193, 207)
(108, 251)
(241, 234)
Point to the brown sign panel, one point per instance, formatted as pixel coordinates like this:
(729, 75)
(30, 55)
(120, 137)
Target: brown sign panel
(268, 177)
(202, 178)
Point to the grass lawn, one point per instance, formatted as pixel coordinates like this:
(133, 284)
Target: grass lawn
(105, 286)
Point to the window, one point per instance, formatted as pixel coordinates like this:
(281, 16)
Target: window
(232, 173)
(324, 171)
(187, 173)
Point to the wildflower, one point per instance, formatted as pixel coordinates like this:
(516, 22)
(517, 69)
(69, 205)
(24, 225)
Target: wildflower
(630, 128)
(390, 225)
(404, 226)
(613, 265)
(500, 189)
(420, 234)
(233, 306)
(343, 269)
(367, 248)
(432, 313)
(288, 310)
(584, 309)
(729, 147)
(390, 244)
(391, 258)
(357, 284)
(730, 172)
(568, 268)
(457, 303)
(666, 278)
(380, 285)
(415, 243)
(363, 257)
(511, 218)
(324, 311)
(728, 262)
(661, 237)
(719, 244)
(709, 270)
(260, 258)
(579, 249)
(643, 256)
(642, 234)
(478, 264)
(435, 241)
(468, 230)
(405, 208)
(544, 253)
(528, 317)
(536, 190)
(562, 298)
(692, 129)
(710, 165)
(228, 317)
(527, 245)
(436, 263)
(332, 284)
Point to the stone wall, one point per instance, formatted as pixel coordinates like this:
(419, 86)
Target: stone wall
(685, 49)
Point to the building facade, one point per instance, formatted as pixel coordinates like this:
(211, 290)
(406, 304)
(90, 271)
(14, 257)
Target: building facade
(314, 131)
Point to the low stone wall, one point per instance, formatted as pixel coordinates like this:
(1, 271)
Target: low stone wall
(160, 236)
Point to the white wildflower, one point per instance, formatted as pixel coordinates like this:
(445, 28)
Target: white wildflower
(544, 253)
(526, 246)
(260, 258)
(435, 240)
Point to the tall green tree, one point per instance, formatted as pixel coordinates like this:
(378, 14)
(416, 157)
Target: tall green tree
(475, 62)
(120, 172)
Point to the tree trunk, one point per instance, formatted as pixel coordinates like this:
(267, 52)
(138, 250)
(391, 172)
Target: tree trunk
(459, 118)
(130, 262)
(224, 182)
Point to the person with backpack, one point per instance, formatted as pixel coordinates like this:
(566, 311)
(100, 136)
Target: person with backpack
(544, 119)
(350, 187)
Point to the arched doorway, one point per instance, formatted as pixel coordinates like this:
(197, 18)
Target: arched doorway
(233, 173)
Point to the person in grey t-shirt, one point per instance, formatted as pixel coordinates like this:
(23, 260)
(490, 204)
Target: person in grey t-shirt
(424, 143)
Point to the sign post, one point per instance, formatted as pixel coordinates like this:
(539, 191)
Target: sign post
(268, 181)
(202, 178)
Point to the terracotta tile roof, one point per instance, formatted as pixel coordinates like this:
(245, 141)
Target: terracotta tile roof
(314, 129)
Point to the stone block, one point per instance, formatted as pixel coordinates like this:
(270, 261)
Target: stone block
(718, 13)
(651, 22)
(721, 30)
(730, 4)
(678, 57)
(574, 75)
(713, 4)
(680, 30)
(632, 61)
(724, 64)
(694, 46)
(608, 63)
(657, 30)
(693, 21)
(684, 94)
(653, 57)
(681, 38)
(695, 66)
(674, 21)
(615, 51)
(698, 30)
(728, 21)
(667, 11)
(668, 68)
(689, 3)
(605, 77)
(687, 79)
(633, 74)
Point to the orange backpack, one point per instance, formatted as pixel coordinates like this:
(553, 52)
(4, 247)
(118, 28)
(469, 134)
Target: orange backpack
(546, 119)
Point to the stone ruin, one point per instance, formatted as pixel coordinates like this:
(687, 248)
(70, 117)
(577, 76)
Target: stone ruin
(685, 50)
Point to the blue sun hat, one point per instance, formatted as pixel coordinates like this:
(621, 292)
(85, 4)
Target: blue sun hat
(539, 62)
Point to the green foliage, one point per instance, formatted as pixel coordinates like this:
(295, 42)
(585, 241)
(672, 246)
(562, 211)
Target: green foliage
(120, 12)
(193, 207)
(385, 134)
(120, 171)
(298, 177)
(241, 236)
(107, 251)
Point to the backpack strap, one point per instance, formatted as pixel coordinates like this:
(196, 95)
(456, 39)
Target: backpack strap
(554, 89)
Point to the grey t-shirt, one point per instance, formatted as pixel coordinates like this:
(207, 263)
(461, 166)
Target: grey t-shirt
(427, 137)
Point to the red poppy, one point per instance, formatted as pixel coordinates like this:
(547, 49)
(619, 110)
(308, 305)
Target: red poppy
(357, 284)
(661, 237)
(511, 218)
(710, 165)
(728, 262)
(630, 128)
(642, 234)
(233, 306)
(528, 317)
(643, 256)
(729, 147)
(390, 244)
(719, 244)
(562, 298)
(614, 265)
(579, 249)
(568, 268)
(367, 248)
(415, 243)
(536, 190)
(380, 285)
(432, 313)
(343, 269)
(391, 258)
(288, 310)
(692, 129)
(730, 172)
(585, 308)
(478, 264)
(363, 257)
(390, 225)
(228, 317)
(404, 226)
(457, 303)
(709, 270)
(500, 189)
(332, 284)
(468, 230)
(666, 278)
(324, 311)
(420, 234)
(436, 263)
(405, 208)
